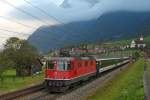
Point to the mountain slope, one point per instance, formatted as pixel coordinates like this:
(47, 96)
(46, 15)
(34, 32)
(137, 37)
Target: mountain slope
(115, 25)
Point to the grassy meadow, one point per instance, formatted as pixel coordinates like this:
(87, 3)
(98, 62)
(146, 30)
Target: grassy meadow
(128, 85)
(11, 82)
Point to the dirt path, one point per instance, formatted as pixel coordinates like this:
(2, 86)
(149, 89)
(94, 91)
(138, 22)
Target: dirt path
(146, 84)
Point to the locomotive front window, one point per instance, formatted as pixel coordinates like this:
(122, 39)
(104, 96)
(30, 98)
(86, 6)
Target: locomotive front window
(50, 65)
(68, 66)
(61, 66)
(64, 66)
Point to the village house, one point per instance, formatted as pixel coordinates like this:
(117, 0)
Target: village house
(138, 43)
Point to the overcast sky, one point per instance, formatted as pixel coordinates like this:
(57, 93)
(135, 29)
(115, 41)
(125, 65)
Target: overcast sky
(77, 10)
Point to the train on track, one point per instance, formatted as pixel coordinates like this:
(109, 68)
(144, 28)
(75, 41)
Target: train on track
(63, 72)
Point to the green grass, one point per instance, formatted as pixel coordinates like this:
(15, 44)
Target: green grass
(128, 41)
(124, 41)
(147, 39)
(128, 85)
(121, 42)
(12, 83)
(148, 69)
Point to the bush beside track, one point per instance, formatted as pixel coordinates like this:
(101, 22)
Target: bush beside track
(128, 85)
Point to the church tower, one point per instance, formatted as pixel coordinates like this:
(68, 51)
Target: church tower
(141, 38)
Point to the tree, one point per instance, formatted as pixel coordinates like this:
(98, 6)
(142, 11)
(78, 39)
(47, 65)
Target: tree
(5, 64)
(21, 53)
(11, 49)
(27, 55)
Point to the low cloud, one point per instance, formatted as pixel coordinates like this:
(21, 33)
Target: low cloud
(80, 9)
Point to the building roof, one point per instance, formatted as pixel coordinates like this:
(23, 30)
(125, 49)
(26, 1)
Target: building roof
(139, 41)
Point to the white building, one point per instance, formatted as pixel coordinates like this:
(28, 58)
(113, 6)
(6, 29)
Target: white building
(133, 44)
(138, 43)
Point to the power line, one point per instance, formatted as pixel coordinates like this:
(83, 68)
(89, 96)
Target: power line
(23, 11)
(17, 22)
(50, 16)
(20, 33)
(27, 26)
(41, 10)
(25, 34)
(27, 13)
(8, 19)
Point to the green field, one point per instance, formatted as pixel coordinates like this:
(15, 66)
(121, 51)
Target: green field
(147, 39)
(127, 41)
(148, 69)
(12, 83)
(128, 85)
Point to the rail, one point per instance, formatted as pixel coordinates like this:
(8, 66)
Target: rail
(22, 92)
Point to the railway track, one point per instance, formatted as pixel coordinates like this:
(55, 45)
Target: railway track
(39, 95)
(75, 93)
(22, 92)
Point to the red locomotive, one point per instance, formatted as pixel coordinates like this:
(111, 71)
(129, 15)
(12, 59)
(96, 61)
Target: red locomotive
(63, 72)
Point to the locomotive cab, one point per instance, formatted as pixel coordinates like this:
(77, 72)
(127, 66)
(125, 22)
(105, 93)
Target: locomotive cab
(58, 70)
(64, 72)
(58, 73)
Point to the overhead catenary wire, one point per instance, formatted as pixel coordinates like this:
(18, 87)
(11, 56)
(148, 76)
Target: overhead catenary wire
(29, 14)
(27, 26)
(50, 16)
(25, 12)
(17, 22)
(20, 33)
(43, 11)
